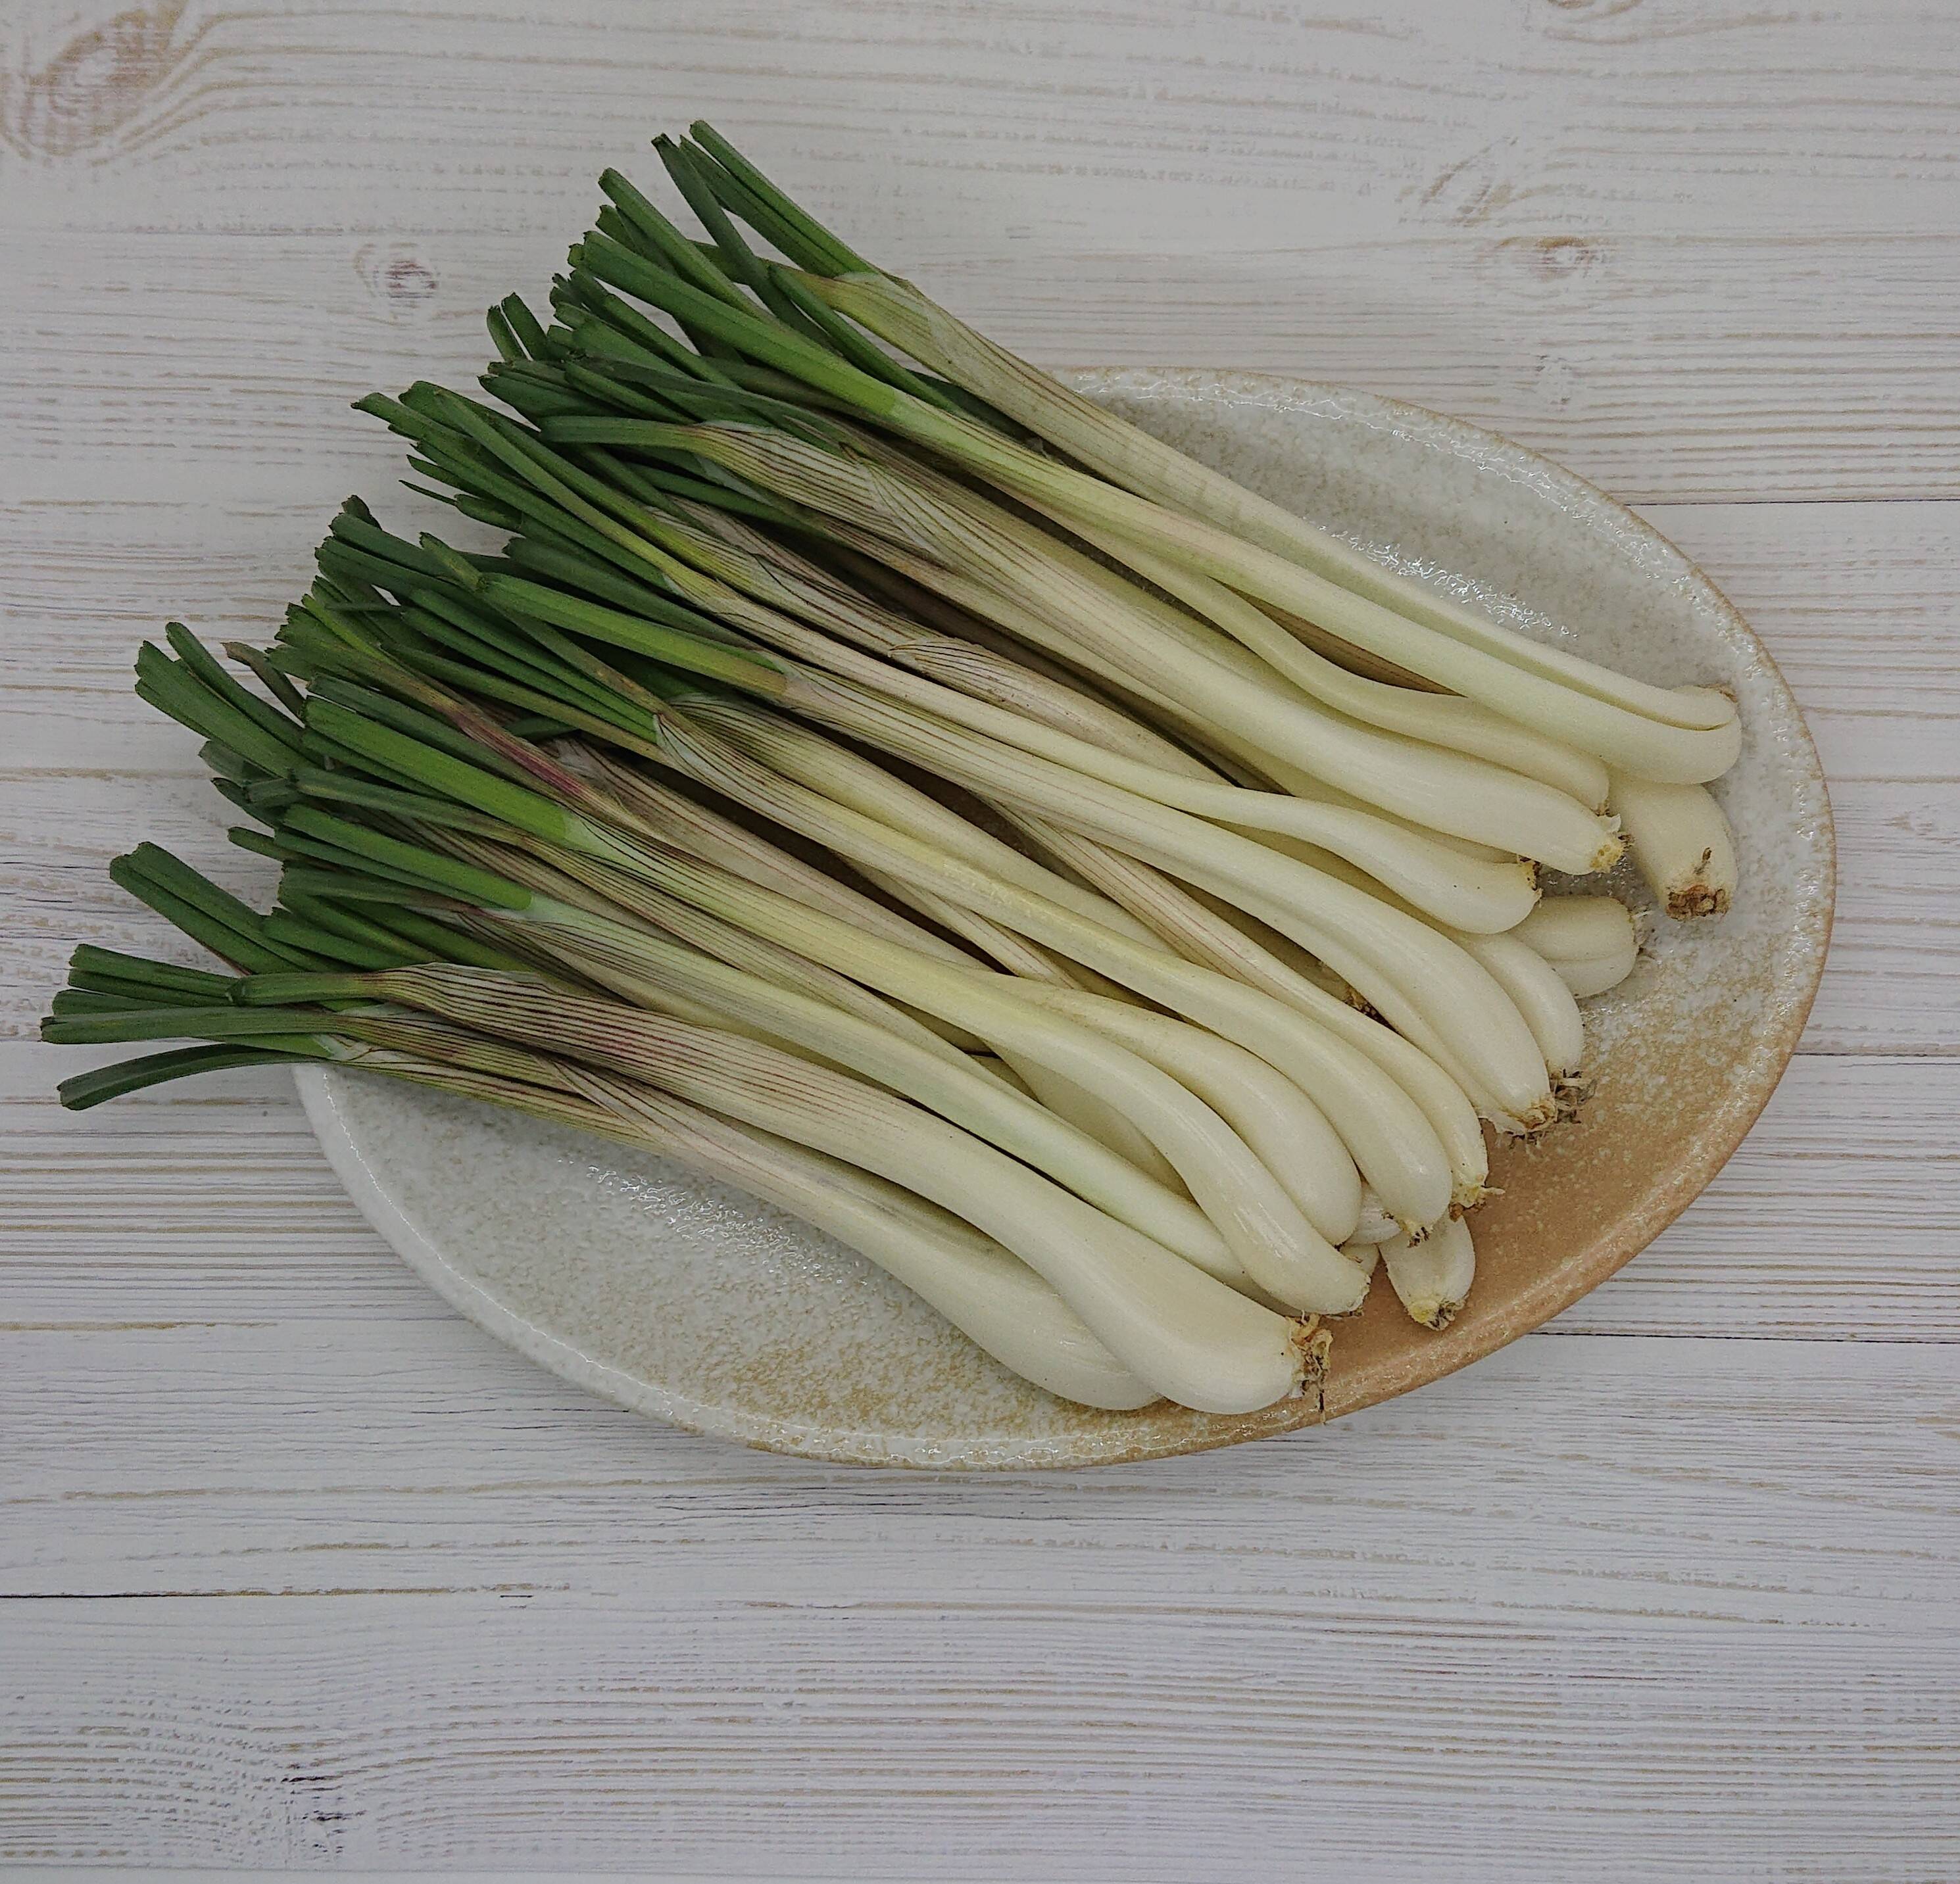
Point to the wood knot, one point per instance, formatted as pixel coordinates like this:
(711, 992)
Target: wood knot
(99, 83)
(407, 280)
(1537, 265)
(397, 276)
(1559, 258)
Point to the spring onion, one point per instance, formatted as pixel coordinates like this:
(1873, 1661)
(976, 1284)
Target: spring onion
(876, 776)
(1590, 941)
(1682, 842)
(1432, 1276)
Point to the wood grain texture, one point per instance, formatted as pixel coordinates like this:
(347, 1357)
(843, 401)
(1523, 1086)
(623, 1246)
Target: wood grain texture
(528, 1623)
(1836, 1221)
(297, 1569)
(1556, 219)
(1857, 600)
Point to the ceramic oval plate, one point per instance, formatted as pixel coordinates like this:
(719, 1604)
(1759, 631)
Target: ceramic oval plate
(683, 1300)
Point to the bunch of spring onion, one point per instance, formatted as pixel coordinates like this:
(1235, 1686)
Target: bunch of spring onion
(867, 766)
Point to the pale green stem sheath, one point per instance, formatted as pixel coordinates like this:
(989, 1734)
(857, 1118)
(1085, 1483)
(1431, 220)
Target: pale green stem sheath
(1284, 1128)
(652, 808)
(1487, 896)
(1181, 753)
(771, 574)
(1529, 692)
(1470, 894)
(1381, 1067)
(977, 1102)
(1496, 1058)
(1433, 1275)
(1174, 1328)
(997, 1301)
(1098, 609)
(1228, 529)
(580, 899)
(705, 834)
(1400, 963)
(1528, 1107)
(1291, 780)
(1443, 720)
(1025, 626)
(1113, 1129)
(1002, 946)
(826, 767)
(1387, 1136)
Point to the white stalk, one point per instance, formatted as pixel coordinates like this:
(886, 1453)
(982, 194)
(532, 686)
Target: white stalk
(1036, 766)
(1296, 783)
(1441, 719)
(1586, 977)
(1170, 1325)
(1590, 941)
(1447, 791)
(1682, 843)
(1119, 1135)
(1385, 1131)
(1537, 995)
(1274, 1243)
(1374, 1117)
(1465, 726)
(1188, 1131)
(1107, 1124)
(1101, 611)
(997, 1301)
(1470, 1026)
(1225, 536)
(1285, 1130)
(1402, 966)
(772, 574)
(1228, 865)
(955, 1088)
(1537, 992)
(612, 955)
(1526, 681)
(861, 698)
(1576, 928)
(1432, 1276)
(1518, 1105)
(1374, 1225)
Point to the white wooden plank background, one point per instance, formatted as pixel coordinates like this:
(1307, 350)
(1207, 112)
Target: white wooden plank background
(298, 1571)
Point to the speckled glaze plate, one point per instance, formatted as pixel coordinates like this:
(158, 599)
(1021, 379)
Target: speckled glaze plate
(684, 1300)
